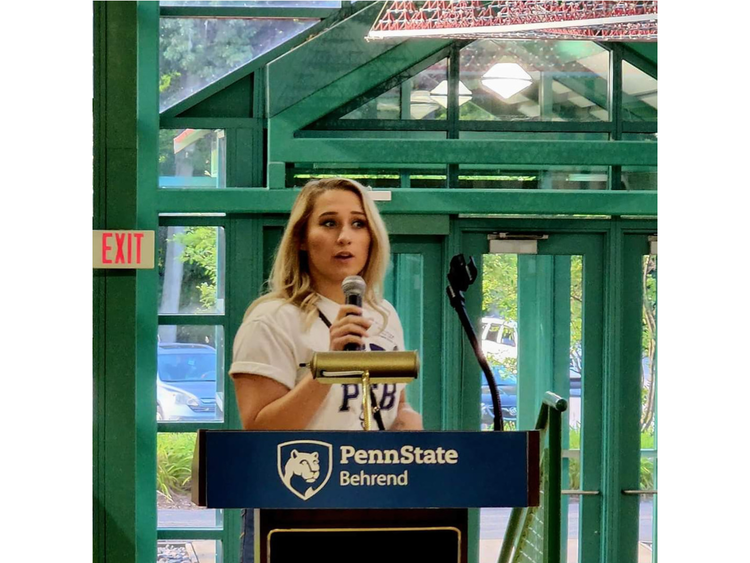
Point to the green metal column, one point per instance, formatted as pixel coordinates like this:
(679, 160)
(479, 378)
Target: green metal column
(622, 395)
(535, 335)
(125, 323)
(454, 60)
(615, 108)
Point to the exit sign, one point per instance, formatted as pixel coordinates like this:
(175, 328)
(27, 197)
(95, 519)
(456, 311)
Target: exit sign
(124, 249)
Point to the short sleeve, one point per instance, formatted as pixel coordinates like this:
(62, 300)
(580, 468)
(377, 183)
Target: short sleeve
(394, 324)
(262, 349)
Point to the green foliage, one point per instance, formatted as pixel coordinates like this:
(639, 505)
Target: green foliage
(576, 312)
(200, 250)
(500, 286)
(174, 457)
(648, 343)
(647, 475)
(165, 80)
(197, 51)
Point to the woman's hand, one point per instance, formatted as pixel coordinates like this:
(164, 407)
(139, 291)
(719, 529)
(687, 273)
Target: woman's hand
(349, 327)
(407, 418)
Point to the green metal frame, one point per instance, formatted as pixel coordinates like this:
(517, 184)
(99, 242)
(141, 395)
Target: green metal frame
(424, 201)
(622, 391)
(126, 36)
(292, 129)
(423, 221)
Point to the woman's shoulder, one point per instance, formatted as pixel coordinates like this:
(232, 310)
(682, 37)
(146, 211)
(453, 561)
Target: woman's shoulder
(390, 311)
(387, 304)
(274, 311)
(389, 308)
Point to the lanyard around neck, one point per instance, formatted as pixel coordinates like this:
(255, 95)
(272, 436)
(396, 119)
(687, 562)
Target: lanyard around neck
(375, 407)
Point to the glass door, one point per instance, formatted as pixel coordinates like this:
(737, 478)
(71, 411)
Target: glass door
(539, 318)
(414, 259)
(638, 429)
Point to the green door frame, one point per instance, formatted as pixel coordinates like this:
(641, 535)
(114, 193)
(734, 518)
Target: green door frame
(425, 394)
(627, 247)
(612, 249)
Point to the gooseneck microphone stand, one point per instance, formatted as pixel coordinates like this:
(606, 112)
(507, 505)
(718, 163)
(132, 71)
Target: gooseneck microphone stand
(460, 276)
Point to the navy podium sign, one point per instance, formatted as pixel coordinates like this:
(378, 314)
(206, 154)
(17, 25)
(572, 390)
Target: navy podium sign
(240, 469)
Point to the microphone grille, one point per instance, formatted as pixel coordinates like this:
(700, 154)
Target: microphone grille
(353, 285)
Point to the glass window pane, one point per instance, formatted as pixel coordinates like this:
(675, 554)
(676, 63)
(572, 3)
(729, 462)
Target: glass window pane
(191, 270)
(192, 158)
(649, 447)
(534, 178)
(195, 52)
(428, 180)
(646, 529)
(428, 98)
(190, 373)
(541, 80)
(403, 287)
(492, 525)
(573, 525)
(390, 179)
(648, 355)
(380, 179)
(640, 137)
(174, 456)
(189, 551)
(500, 308)
(500, 294)
(639, 94)
(499, 336)
(574, 385)
(639, 177)
(427, 93)
(386, 106)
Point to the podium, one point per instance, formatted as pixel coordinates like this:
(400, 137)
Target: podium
(365, 496)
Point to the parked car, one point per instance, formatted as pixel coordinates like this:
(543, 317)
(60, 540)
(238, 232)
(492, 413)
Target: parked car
(504, 378)
(508, 406)
(186, 382)
(575, 382)
(499, 338)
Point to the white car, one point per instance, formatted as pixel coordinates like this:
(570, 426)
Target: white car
(499, 338)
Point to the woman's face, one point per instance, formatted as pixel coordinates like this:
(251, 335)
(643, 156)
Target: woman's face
(337, 240)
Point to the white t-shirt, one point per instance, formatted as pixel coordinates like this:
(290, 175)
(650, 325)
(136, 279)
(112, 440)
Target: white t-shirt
(273, 342)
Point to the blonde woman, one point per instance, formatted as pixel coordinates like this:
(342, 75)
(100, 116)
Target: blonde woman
(334, 231)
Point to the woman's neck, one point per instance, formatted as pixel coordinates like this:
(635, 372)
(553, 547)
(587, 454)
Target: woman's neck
(332, 291)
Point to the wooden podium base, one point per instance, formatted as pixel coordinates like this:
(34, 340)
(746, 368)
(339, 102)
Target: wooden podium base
(438, 535)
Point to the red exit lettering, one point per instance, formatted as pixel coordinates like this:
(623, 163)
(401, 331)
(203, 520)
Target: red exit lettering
(123, 247)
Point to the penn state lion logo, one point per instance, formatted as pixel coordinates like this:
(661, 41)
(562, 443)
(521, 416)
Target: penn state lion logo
(304, 466)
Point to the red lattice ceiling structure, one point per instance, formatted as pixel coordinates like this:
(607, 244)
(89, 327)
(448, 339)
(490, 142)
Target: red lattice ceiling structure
(599, 20)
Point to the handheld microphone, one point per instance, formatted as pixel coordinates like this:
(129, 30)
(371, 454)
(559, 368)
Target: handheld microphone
(354, 290)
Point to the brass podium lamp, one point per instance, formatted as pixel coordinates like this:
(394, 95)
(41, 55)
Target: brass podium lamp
(365, 368)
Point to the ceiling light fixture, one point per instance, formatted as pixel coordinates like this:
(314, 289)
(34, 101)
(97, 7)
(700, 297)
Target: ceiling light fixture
(506, 79)
(440, 93)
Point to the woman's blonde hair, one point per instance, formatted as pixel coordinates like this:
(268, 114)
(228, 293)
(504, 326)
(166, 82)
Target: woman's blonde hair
(290, 276)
